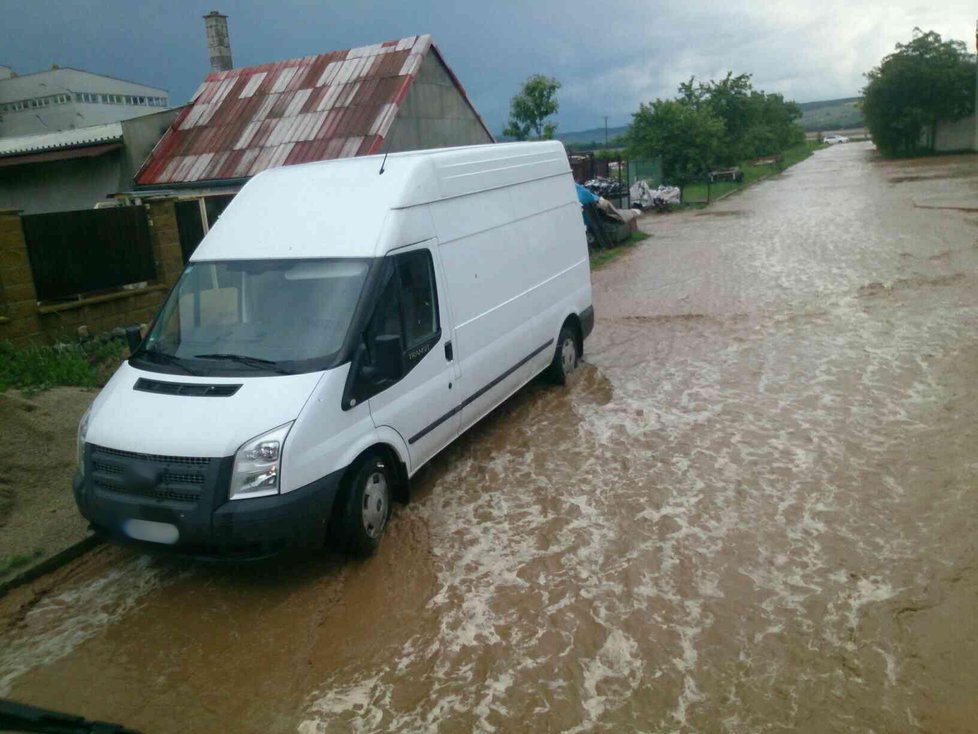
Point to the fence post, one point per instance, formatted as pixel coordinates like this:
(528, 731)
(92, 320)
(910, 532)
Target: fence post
(18, 298)
(165, 239)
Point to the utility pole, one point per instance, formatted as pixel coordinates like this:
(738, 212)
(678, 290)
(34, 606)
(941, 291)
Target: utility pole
(606, 117)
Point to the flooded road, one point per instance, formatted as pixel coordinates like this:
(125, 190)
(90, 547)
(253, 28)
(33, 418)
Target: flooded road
(755, 510)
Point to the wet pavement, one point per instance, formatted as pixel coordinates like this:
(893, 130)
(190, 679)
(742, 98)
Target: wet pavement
(754, 510)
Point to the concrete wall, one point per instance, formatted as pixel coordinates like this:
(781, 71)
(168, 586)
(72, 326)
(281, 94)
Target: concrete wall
(955, 136)
(56, 186)
(435, 114)
(24, 321)
(78, 183)
(73, 114)
(140, 136)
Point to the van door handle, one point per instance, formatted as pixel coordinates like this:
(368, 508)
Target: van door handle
(449, 354)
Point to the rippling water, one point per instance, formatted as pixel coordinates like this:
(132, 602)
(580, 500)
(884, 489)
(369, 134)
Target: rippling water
(754, 510)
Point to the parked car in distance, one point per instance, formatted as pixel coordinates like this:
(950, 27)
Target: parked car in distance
(833, 139)
(341, 324)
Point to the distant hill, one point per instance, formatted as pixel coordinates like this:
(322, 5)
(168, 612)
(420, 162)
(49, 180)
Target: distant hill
(831, 114)
(826, 114)
(594, 135)
(586, 139)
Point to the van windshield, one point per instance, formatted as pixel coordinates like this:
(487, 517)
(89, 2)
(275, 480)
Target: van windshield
(269, 316)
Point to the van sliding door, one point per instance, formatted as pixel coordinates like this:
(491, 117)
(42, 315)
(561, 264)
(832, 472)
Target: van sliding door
(495, 341)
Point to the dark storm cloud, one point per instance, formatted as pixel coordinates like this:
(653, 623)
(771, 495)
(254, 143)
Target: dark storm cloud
(609, 58)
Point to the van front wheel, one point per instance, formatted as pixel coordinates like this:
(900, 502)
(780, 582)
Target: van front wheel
(366, 508)
(565, 356)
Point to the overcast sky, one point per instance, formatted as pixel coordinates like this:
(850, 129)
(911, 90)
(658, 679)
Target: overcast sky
(609, 56)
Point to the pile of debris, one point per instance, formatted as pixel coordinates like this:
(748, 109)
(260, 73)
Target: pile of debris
(662, 199)
(606, 225)
(609, 188)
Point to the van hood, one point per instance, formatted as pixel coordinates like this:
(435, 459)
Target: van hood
(127, 419)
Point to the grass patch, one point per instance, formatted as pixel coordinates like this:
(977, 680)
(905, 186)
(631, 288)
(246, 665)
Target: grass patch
(696, 194)
(17, 561)
(600, 258)
(37, 368)
(801, 152)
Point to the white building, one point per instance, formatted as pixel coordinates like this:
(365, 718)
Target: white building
(66, 99)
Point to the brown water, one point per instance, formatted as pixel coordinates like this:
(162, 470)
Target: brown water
(754, 510)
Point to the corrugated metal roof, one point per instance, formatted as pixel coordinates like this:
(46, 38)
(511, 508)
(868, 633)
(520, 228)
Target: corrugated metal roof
(109, 133)
(243, 121)
(60, 154)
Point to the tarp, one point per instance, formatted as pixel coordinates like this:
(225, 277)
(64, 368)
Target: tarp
(585, 196)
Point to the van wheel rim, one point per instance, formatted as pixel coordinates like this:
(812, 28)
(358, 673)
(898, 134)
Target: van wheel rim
(374, 511)
(568, 355)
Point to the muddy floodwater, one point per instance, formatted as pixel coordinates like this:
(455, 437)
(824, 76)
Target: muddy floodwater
(754, 510)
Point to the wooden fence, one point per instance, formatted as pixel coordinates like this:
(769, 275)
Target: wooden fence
(77, 253)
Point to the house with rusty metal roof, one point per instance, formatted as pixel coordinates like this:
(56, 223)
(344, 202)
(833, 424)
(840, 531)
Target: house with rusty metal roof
(393, 96)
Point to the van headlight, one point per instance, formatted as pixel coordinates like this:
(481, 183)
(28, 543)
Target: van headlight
(80, 441)
(258, 465)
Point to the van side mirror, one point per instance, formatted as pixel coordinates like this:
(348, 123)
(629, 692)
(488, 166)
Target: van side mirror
(388, 354)
(133, 338)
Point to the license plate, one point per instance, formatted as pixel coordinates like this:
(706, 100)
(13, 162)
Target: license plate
(153, 532)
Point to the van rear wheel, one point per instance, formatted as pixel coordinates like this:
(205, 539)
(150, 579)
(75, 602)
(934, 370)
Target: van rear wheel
(565, 356)
(365, 508)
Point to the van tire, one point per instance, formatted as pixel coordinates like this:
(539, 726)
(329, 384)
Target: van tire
(565, 356)
(365, 507)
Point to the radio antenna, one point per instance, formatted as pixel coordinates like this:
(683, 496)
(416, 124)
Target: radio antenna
(387, 146)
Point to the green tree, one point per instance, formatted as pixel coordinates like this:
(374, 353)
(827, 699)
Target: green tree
(686, 136)
(755, 123)
(529, 110)
(918, 85)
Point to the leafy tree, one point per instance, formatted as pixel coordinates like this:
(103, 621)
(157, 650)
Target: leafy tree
(529, 110)
(711, 124)
(687, 137)
(774, 125)
(755, 123)
(918, 85)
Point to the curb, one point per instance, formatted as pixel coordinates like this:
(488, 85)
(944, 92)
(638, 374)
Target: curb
(53, 563)
(765, 177)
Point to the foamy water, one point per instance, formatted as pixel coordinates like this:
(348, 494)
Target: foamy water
(752, 511)
(727, 486)
(58, 624)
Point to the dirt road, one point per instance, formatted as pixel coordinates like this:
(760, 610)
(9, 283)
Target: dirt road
(755, 510)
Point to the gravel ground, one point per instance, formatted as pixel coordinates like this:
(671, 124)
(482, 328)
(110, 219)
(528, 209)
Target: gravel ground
(38, 517)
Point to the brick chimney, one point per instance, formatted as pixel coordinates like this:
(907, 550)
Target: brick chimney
(218, 42)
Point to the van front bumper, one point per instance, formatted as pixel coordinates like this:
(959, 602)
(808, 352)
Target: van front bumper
(192, 498)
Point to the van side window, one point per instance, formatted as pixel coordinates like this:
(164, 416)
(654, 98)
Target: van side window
(407, 312)
(418, 299)
(387, 315)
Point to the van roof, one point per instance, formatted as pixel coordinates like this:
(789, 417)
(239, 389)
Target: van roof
(339, 208)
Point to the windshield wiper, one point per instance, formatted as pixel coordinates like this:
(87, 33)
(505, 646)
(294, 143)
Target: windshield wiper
(265, 364)
(20, 717)
(168, 359)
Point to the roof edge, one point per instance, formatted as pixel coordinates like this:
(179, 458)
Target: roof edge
(86, 71)
(164, 139)
(461, 89)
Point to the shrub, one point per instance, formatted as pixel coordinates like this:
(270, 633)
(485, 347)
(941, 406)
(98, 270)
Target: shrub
(35, 368)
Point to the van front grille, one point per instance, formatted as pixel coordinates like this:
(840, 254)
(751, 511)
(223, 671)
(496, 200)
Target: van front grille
(155, 458)
(170, 479)
(158, 493)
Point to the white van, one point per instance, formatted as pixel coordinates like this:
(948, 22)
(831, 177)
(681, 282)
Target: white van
(340, 325)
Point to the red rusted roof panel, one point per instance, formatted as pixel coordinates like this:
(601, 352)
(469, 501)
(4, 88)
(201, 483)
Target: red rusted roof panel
(246, 120)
